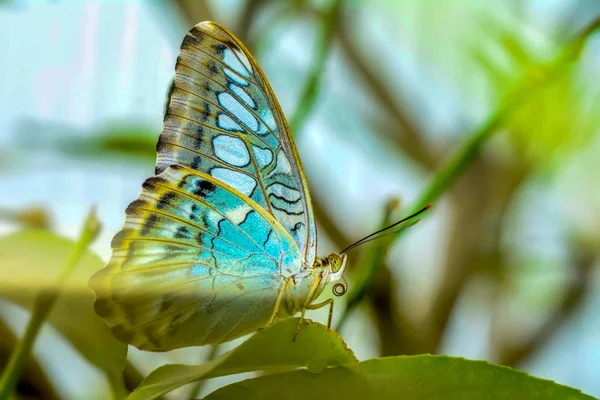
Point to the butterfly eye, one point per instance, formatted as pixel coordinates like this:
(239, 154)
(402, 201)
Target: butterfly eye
(335, 261)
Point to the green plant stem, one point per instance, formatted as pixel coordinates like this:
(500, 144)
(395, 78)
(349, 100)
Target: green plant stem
(35, 382)
(195, 392)
(308, 96)
(535, 78)
(42, 306)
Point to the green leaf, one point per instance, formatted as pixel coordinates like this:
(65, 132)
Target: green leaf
(316, 347)
(130, 140)
(407, 377)
(31, 261)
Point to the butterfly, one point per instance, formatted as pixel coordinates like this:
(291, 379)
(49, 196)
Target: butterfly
(222, 240)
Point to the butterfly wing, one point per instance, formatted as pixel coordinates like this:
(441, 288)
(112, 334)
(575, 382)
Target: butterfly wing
(224, 120)
(208, 245)
(197, 262)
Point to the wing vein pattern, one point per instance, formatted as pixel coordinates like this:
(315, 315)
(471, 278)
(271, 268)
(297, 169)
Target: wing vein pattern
(227, 220)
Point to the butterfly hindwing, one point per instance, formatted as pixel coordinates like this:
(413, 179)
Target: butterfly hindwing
(195, 263)
(223, 120)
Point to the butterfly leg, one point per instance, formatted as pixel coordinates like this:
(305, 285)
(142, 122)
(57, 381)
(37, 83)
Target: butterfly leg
(278, 303)
(328, 302)
(309, 306)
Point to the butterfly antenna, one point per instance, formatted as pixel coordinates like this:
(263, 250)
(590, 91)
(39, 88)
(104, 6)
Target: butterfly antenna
(373, 236)
(340, 288)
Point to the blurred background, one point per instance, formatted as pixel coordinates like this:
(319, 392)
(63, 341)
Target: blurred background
(381, 96)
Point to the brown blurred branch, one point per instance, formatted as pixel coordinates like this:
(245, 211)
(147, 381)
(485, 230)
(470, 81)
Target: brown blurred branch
(251, 9)
(577, 290)
(398, 334)
(198, 10)
(131, 376)
(308, 96)
(34, 382)
(480, 200)
(195, 10)
(470, 204)
(323, 217)
(31, 217)
(409, 138)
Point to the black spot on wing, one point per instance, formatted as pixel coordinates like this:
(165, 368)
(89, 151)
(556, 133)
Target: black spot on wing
(195, 37)
(151, 183)
(199, 239)
(165, 200)
(195, 162)
(121, 332)
(165, 304)
(194, 214)
(182, 233)
(295, 228)
(206, 112)
(171, 250)
(102, 306)
(212, 68)
(231, 45)
(134, 206)
(183, 181)
(130, 252)
(150, 223)
(118, 239)
(160, 145)
(204, 188)
(198, 136)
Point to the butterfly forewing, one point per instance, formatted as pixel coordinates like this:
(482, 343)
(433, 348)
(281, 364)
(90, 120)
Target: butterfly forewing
(224, 120)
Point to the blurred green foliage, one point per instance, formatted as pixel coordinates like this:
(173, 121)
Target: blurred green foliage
(32, 262)
(558, 116)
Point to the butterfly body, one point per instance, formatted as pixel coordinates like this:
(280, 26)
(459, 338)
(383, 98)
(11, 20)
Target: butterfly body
(222, 240)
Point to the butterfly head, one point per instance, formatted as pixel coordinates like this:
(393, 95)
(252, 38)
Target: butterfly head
(335, 264)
